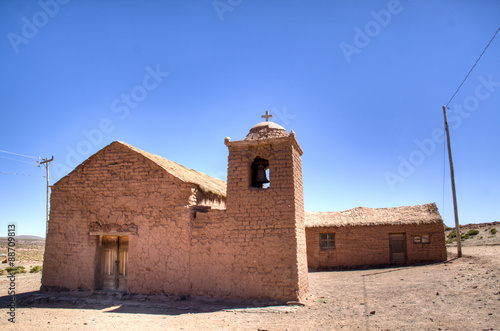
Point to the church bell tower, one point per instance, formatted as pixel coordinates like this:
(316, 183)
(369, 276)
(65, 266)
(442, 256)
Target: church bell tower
(265, 200)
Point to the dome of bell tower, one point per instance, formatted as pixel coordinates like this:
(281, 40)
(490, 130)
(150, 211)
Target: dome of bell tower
(266, 130)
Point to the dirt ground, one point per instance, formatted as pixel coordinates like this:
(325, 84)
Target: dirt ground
(462, 294)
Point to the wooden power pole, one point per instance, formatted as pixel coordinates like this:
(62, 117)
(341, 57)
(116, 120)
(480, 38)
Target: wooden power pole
(457, 224)
(46, 162)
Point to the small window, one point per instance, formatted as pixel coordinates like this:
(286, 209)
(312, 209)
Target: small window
(326, 240)
(422, 239)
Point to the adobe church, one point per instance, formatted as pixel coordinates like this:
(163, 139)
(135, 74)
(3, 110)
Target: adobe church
(128, 220)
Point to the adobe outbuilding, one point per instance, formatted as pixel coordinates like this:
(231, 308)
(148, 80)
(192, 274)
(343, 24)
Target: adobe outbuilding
(375, 236)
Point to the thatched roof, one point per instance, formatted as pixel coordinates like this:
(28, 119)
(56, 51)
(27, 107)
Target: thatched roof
(362, 216)
(207, 184)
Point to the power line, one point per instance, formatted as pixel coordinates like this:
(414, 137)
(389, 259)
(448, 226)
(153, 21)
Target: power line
(13, 173)
(9, 158)
(479, 58)
(32, 157)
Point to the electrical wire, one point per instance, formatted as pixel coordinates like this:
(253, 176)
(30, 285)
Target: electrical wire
(472, 67)
(9, 158)
(32, 157)
(13, 173)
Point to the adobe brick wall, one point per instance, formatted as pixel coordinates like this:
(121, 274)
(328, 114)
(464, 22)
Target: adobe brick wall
(369, 245)
(119, 190)
(300, 229)
(267, 225)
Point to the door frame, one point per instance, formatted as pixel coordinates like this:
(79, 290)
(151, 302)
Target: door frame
(404, 246)
(120, 272)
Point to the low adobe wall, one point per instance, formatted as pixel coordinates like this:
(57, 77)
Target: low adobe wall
(369, 245)
(237, 258)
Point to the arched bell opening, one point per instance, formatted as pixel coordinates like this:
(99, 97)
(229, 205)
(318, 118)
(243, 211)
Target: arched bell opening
(260, 173)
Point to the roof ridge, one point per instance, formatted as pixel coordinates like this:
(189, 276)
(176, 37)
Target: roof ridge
(373, 208)
(418, 214)
(205, 182)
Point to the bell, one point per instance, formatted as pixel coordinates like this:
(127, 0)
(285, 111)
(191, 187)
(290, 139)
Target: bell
(260, 176)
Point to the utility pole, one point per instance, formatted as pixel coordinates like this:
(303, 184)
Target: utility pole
(457, 224)
(46, 162)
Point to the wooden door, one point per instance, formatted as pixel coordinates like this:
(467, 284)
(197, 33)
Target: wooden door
(114, 268)
(397, 248)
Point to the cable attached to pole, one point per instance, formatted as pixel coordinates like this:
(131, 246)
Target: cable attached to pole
(479, 58)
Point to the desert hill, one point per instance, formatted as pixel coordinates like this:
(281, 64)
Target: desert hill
(475, 234)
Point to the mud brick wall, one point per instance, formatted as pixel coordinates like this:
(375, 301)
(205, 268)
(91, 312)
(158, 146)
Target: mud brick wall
(254, 249)
(369, 245)
(265, 227)
(120, 190)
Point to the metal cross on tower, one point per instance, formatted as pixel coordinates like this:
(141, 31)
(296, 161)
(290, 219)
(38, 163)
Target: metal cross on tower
(267, 116)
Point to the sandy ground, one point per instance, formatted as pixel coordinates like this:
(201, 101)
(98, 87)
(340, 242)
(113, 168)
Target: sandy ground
(462, 294)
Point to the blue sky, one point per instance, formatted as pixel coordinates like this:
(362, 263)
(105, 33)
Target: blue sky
(362, 83)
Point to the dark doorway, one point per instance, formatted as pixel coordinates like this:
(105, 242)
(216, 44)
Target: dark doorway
(397, 247)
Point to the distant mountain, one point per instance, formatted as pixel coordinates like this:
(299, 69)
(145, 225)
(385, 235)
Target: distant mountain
(26, 237)
(30, 237)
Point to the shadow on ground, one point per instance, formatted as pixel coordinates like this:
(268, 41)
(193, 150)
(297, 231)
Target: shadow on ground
(386, 268)
(139, 304)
